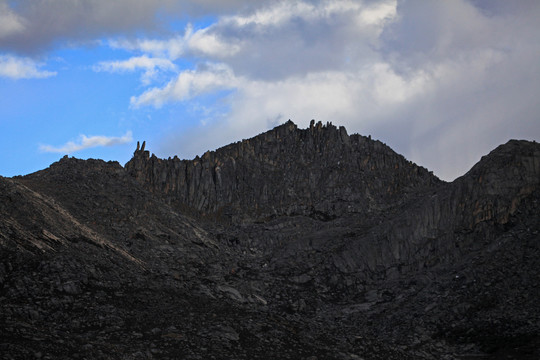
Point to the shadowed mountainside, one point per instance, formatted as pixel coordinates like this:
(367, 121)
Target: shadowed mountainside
(299, 243)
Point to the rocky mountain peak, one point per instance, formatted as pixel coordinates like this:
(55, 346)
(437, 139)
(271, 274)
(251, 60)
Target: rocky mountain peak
(286, 170)
(515, 159)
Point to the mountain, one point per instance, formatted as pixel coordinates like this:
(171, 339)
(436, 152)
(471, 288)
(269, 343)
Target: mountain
(295, 244)
(320, 171)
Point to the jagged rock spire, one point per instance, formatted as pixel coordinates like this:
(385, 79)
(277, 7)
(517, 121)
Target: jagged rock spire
(139, 147)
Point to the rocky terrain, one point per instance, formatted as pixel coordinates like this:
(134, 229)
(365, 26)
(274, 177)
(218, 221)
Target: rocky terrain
(295, 244)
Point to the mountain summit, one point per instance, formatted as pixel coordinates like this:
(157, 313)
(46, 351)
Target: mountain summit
(295, 244)
(320, 170)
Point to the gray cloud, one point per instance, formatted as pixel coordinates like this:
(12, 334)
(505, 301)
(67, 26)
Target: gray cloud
(10, 22)
(482, 62)
(33, 26)
(47, 22)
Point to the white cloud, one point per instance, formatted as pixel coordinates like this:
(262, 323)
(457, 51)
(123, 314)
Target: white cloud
(282, 12)
(201, 42)
(210, 44)
(368, 92)
(171, 48)
(378, 12)
(86, 142)
(134, 63)
(188, 84)
(22, 68)
(323, 94)
(275, 15)
(148, 64)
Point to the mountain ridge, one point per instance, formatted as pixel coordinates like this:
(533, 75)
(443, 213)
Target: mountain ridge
(310, 244)
(227, 176)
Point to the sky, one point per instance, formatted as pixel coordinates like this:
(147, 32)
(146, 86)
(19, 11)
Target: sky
(441, 82)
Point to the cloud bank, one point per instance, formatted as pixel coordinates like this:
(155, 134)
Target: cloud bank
(86, 142)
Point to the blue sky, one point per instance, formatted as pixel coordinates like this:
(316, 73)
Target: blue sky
(442, 83)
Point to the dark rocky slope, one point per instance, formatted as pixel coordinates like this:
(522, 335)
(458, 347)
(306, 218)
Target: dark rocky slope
(299, 244)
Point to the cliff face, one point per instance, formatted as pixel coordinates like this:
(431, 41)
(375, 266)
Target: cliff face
(455, 219)
(320, 171)
(300, 243)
